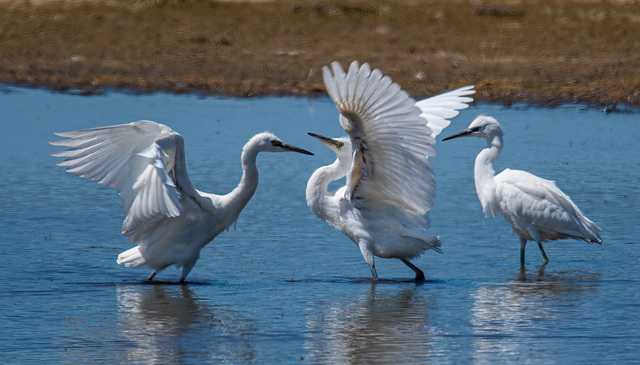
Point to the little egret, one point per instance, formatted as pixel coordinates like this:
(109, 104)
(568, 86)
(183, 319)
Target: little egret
(534, 207)
(166, 217)
(383, 208)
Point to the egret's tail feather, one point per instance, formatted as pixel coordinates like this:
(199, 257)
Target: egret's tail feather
(591, 233)
(422, 241)
(131, 257)
(434, 243)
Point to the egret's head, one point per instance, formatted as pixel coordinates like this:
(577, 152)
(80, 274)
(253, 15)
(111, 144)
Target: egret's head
(341, 146)
(268, 142)
(483, 127)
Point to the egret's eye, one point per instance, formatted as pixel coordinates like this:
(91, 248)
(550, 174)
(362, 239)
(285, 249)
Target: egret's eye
(475, 129)
(276, 143)
(339, 144)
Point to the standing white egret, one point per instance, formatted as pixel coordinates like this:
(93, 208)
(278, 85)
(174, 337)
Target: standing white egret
(166, 217)
(383, 208)
(534, 207)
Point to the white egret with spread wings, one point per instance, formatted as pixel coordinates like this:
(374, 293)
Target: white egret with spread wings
(166, 217)
(534, 207)
(383, 208)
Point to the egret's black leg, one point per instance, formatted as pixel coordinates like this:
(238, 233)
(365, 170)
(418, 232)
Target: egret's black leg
(150, 277)
(545, 260)
(368, 257)
(419, 273)
(374, 274)
(523, 243)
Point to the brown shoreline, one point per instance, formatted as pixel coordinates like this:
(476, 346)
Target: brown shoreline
(539, 52)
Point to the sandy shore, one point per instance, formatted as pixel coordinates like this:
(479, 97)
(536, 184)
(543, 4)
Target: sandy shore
(541, 52)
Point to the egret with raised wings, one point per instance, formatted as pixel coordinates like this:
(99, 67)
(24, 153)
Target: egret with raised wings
(534, 207)
(383, 208)
(166, 217)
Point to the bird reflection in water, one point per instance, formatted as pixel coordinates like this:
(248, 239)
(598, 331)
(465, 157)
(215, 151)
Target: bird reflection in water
(165, 323)
(384, 328)
(509, 318)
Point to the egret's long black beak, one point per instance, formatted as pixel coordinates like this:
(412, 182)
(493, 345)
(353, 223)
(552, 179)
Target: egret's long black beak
(291, 148)
(464, 133)
(326, 140)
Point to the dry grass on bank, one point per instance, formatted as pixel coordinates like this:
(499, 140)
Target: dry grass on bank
(545, 52)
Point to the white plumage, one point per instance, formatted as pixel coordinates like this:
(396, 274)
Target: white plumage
(165, 216)
(384, 206)
(534, 207)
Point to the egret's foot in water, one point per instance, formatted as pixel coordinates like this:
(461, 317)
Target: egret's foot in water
(523, 244)
(419, 273)
(150, 277)
(374, 274)
(545, 260)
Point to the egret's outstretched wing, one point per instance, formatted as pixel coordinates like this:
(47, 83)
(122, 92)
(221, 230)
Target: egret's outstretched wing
(143, 161)
(437, 110)
(391, 142)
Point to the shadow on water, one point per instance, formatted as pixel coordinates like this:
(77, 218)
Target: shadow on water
(556, 283)
(383, 326)
(506, 318)
(151, 283)
(160, 322)
(349, 280)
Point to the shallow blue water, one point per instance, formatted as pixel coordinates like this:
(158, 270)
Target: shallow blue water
(284, 287)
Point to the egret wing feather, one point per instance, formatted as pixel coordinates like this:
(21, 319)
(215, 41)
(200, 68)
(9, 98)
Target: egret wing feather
(389, 138)
(438, 109)
(139, 160)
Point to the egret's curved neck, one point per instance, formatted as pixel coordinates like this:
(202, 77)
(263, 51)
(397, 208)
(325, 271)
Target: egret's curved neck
(238, 198)
(318, 185)
(484, 172)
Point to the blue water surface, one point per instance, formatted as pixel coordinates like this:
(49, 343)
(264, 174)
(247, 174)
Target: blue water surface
(284, 287)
